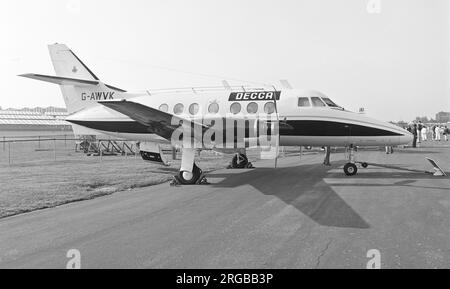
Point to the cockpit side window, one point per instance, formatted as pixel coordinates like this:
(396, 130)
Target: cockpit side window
(329, 102)
(316, 101)
(303, 102)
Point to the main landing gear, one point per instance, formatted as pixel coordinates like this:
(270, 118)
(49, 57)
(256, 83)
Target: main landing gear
(350, 168)
(240, 161)
(190, 173)
(196, 177)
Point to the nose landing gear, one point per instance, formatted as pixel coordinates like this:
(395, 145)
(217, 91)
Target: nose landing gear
(350, 168)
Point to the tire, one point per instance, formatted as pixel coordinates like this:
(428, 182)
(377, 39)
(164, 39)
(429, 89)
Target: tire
(239, 161)
(196, 173)
(350, 169)
(364, 165)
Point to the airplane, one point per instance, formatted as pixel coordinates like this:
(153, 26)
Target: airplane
(225, 119)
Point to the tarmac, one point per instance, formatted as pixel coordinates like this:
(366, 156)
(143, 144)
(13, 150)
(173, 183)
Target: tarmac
(301, 215)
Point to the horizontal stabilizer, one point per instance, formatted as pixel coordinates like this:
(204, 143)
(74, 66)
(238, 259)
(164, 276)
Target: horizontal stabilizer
(60, 80)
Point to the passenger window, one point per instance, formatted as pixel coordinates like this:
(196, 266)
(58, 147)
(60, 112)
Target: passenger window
(316, 101)
(269, 108)
(303, 101)
(252, 107)
(235, 108)
(178, 108)
(164, 107)
(193, 108)
(329, 102)
(213, 107)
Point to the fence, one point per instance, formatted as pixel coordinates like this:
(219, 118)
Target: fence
(25, 149)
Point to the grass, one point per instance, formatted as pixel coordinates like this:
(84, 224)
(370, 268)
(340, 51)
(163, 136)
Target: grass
(36, 181)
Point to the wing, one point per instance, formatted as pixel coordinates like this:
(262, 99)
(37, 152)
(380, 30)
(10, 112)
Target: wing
(158, 122)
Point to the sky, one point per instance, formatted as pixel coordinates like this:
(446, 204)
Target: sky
(391, 57)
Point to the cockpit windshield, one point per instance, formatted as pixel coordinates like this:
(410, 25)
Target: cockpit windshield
(316, 101)
(329, 102)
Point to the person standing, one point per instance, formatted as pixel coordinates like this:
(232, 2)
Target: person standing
(389, 149)
(419, 132)
(437, 132)
(326, 161)
(414, 132)
(424, 133)
(446, 133)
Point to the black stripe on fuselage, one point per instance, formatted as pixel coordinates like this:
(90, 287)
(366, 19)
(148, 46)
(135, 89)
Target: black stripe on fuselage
(287, 128)
(114, 126)
(330, 128)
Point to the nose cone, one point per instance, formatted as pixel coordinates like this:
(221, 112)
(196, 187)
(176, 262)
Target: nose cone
(406, 138)
(386, 133)
(399, 136)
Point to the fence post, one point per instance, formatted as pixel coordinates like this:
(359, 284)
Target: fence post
(135, 150)
(54, 148)
(9, 152)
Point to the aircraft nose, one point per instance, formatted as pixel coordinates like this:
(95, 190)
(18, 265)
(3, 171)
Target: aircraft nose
(407, 137)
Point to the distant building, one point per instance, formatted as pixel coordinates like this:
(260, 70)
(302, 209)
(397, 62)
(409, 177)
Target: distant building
(443, 117)
(34, 119)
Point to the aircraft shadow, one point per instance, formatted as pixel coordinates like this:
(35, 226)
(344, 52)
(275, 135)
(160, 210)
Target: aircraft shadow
(302, 187)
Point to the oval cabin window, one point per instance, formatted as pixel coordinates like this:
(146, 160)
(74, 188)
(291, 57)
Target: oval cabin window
(178, 108)
(193, 108)
(235, 108)
(252, 107)
(164, 107)
(213, 107)
(269, 108)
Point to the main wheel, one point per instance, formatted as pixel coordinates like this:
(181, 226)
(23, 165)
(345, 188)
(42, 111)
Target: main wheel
(350, 169)
(239, 161)
(188, 178)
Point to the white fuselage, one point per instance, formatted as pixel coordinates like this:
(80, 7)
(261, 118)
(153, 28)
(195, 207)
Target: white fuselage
(308, 125)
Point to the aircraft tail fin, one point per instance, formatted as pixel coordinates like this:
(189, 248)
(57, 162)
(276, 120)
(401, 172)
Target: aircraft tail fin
(67, 64)
(80, 87)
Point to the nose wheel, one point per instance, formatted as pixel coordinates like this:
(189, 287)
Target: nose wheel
(350, 169)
